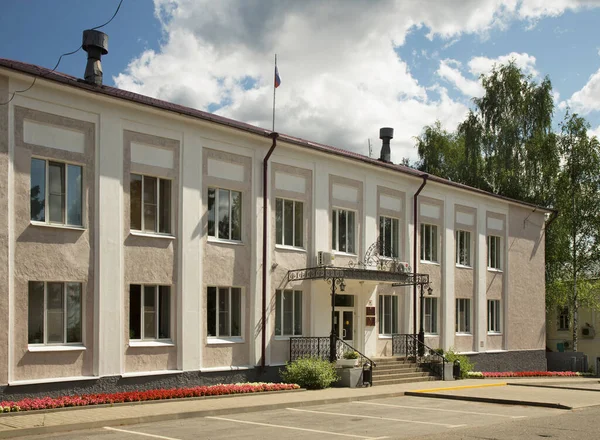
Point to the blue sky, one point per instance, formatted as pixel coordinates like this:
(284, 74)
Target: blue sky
(347, 68)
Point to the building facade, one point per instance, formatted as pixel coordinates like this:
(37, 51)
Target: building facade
(131, 244)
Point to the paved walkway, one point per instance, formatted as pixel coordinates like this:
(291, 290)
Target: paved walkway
(45, 422)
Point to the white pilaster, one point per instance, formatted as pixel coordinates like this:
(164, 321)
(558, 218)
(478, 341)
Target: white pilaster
(447, 315)
(480, 304)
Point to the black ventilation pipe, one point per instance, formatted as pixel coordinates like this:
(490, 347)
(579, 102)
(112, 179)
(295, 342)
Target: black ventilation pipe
(263, 335)
(415, 256)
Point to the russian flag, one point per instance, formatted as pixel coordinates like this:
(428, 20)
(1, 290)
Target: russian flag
(277, 78)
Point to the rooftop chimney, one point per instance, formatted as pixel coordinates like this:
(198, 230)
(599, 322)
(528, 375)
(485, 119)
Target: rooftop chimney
(385, 134)
(95, 43)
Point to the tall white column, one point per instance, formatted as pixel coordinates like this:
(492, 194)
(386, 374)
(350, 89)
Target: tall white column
(447, 292)
(480, 303)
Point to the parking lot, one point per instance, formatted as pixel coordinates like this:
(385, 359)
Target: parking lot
(398, 417)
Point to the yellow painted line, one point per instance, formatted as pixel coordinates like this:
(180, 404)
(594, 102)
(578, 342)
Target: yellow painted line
(464, 387)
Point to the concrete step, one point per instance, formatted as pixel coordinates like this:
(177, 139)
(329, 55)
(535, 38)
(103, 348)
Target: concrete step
(402, 375)
(387, 371)
(405, 380)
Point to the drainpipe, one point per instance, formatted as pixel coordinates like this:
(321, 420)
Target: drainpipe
(415, 235)
(264, 259)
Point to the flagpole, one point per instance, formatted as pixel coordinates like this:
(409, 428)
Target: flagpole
(274, 89)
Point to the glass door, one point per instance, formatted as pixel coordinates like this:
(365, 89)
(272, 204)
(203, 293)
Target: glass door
(344, 327)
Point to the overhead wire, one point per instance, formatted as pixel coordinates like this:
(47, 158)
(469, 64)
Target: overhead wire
(60, 59)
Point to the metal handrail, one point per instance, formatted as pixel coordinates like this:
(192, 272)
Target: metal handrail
(418, 350)
(363, 358)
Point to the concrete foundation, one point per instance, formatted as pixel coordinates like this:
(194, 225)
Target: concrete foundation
(526, 360)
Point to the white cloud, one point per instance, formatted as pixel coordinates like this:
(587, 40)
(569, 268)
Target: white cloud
(471, 88)
(587, 99)
(594, 132)
(341, 77)
(482, 65)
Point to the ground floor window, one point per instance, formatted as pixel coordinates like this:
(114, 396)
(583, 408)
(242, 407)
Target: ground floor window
(463, 315)
(388, 314)
(54, 313)
(563, 319)
(430, 324)
(288, 313)
(149, 312)
(494, 316)
(224, 312)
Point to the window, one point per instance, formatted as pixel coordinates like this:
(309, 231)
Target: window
(494, 252)
(56, 194)
(388, 236)
(563, 319)
(150, 199)
(289, 219)
(343, 232)
(149, 312)
(430, 324)
(463, 316)
(54, 313)
(463, 248)
(288, 313)
(388, 314)
(493, 306)
(225, 214)
(224, 308)
(429, 243)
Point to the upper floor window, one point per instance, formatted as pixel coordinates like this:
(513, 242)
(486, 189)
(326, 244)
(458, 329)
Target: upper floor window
(463, 248)
(149, 312)
(289, 220)
(225, 214)
(56, 192)
(493, 316)
(429, 243)
(463, 315)
(288, 313)
(150, 201)
(388, 314)
(430, 315)
(343, 231)
(563, 319)
(224, 312)
(494, 252)
(54, 313)
(388, 236)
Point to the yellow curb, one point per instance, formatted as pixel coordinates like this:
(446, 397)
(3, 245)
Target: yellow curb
(433, 390)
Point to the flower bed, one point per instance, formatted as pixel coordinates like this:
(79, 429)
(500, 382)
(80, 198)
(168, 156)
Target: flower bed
(493, 374)
(141, 396)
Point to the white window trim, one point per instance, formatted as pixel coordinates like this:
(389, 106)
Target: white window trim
(153, 341)
(216, 237)
(499, 252)
(156, 233)
(422, 243)
(458, 331)
(337, 228)
(281, 314)
(47, 221)
(59, 346)
(289, 246)
(498, 312)
(395, 240)
(218, 339)
(437, 329)
(458, 250)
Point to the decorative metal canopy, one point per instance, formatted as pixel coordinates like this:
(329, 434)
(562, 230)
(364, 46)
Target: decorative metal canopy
(353, 273)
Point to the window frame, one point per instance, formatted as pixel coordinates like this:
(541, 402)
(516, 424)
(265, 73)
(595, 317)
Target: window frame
(467, 310)
(494, 319)
(281, 314)
(395, 240)
(335, 230)
(65, 209)
(142, 339)
(280, 241)
(224, 338)
(381, 315)
(433, 315)
(434, 243)
(461, 249)
(215, 236)
(142, 229)
(45, 342)
(498, 263)
(563, 315)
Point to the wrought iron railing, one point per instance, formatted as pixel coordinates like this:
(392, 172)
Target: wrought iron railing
(320, 347)
(409, 346)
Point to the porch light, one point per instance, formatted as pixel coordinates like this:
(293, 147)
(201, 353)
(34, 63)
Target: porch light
(429, 291)
(342, 286)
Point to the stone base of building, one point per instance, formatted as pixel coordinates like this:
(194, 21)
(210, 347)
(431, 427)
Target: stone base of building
(525, 360)
(114, 384)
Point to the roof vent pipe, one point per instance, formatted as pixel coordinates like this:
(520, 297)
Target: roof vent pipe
(385, 134)
(95, 43)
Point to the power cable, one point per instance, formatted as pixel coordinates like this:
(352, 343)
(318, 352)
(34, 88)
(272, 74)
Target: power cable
(60, 59)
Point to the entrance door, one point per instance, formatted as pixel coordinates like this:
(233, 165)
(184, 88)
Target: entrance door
(345, 331)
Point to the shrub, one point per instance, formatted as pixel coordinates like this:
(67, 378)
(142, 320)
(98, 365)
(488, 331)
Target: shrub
(465, 364)
(310, 373)
(351, 355)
